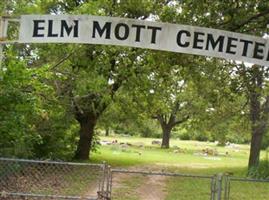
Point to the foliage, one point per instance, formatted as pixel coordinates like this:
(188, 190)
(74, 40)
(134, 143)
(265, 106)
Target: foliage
(17, 109)
(261, 171)
(265, 141)
(122, 117)
(33, 122)
(184, 135)
(45, 87)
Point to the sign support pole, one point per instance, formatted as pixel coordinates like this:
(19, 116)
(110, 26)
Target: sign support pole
(1, 45)
(3, 30)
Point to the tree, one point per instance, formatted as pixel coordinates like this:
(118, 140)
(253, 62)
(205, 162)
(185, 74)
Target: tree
(30, 111)
(218, 89)
(254, 83)
(123, 117)
(88, 99)
(109, 68)
(92, 74)
(91, 100)
(18, 107)
(244, 17)
(166, 91)
(42, 123)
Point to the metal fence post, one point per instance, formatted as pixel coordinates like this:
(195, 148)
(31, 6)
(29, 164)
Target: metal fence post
(213, 188)
(104, 182)
(4, 24)
(102, 188)
(108, 186)
(110, 182)
(219, 186)
(227, 187)
(2, 35)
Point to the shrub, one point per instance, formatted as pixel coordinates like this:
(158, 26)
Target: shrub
(261, 171)
(265, 141)
(201, 137)
(184, 136)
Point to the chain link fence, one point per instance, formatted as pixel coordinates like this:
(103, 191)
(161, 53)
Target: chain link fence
(244, 188)
(28, 179)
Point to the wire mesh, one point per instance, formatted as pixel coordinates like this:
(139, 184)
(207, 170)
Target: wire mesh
(239, 188)
(186, 188)
(26, 179)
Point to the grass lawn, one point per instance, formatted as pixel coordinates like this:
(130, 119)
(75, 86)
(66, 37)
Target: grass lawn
(183, 157)
(188, 158)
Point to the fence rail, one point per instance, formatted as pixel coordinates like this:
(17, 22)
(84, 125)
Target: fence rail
(31, 179)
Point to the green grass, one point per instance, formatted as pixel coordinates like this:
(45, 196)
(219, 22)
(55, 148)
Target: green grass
(188, 188)
(188, 161)
(80, 180)
(249, 190)
(154, 155)
(128, 188)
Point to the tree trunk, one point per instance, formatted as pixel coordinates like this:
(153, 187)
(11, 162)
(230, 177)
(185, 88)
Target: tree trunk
(166, 136)
(256, 142)
(107, 132)
(167, 124)
(257, 125)
(86, 134)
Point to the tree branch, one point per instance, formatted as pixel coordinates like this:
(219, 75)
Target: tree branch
(62, 60)
(250, 19)
(181, 121)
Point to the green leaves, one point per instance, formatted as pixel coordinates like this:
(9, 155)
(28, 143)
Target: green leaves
(43, 87)
(17, 109)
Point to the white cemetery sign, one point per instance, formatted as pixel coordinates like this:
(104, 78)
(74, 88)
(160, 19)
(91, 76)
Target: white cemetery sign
(143, 34)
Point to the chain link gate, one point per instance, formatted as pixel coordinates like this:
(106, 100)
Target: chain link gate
(204, 186)
(30, 179)
(216, 187)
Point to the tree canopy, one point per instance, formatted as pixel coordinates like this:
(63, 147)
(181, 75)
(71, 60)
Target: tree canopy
(53, 97)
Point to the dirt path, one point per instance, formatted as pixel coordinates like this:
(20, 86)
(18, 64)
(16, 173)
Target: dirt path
(118, 179)
(91, 191)
(131, 186)
(153, 188)
(149, 188)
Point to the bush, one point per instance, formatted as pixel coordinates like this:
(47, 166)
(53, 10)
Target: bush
(265, 141)
(201, 137)
(183, 135)
(262, 171)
